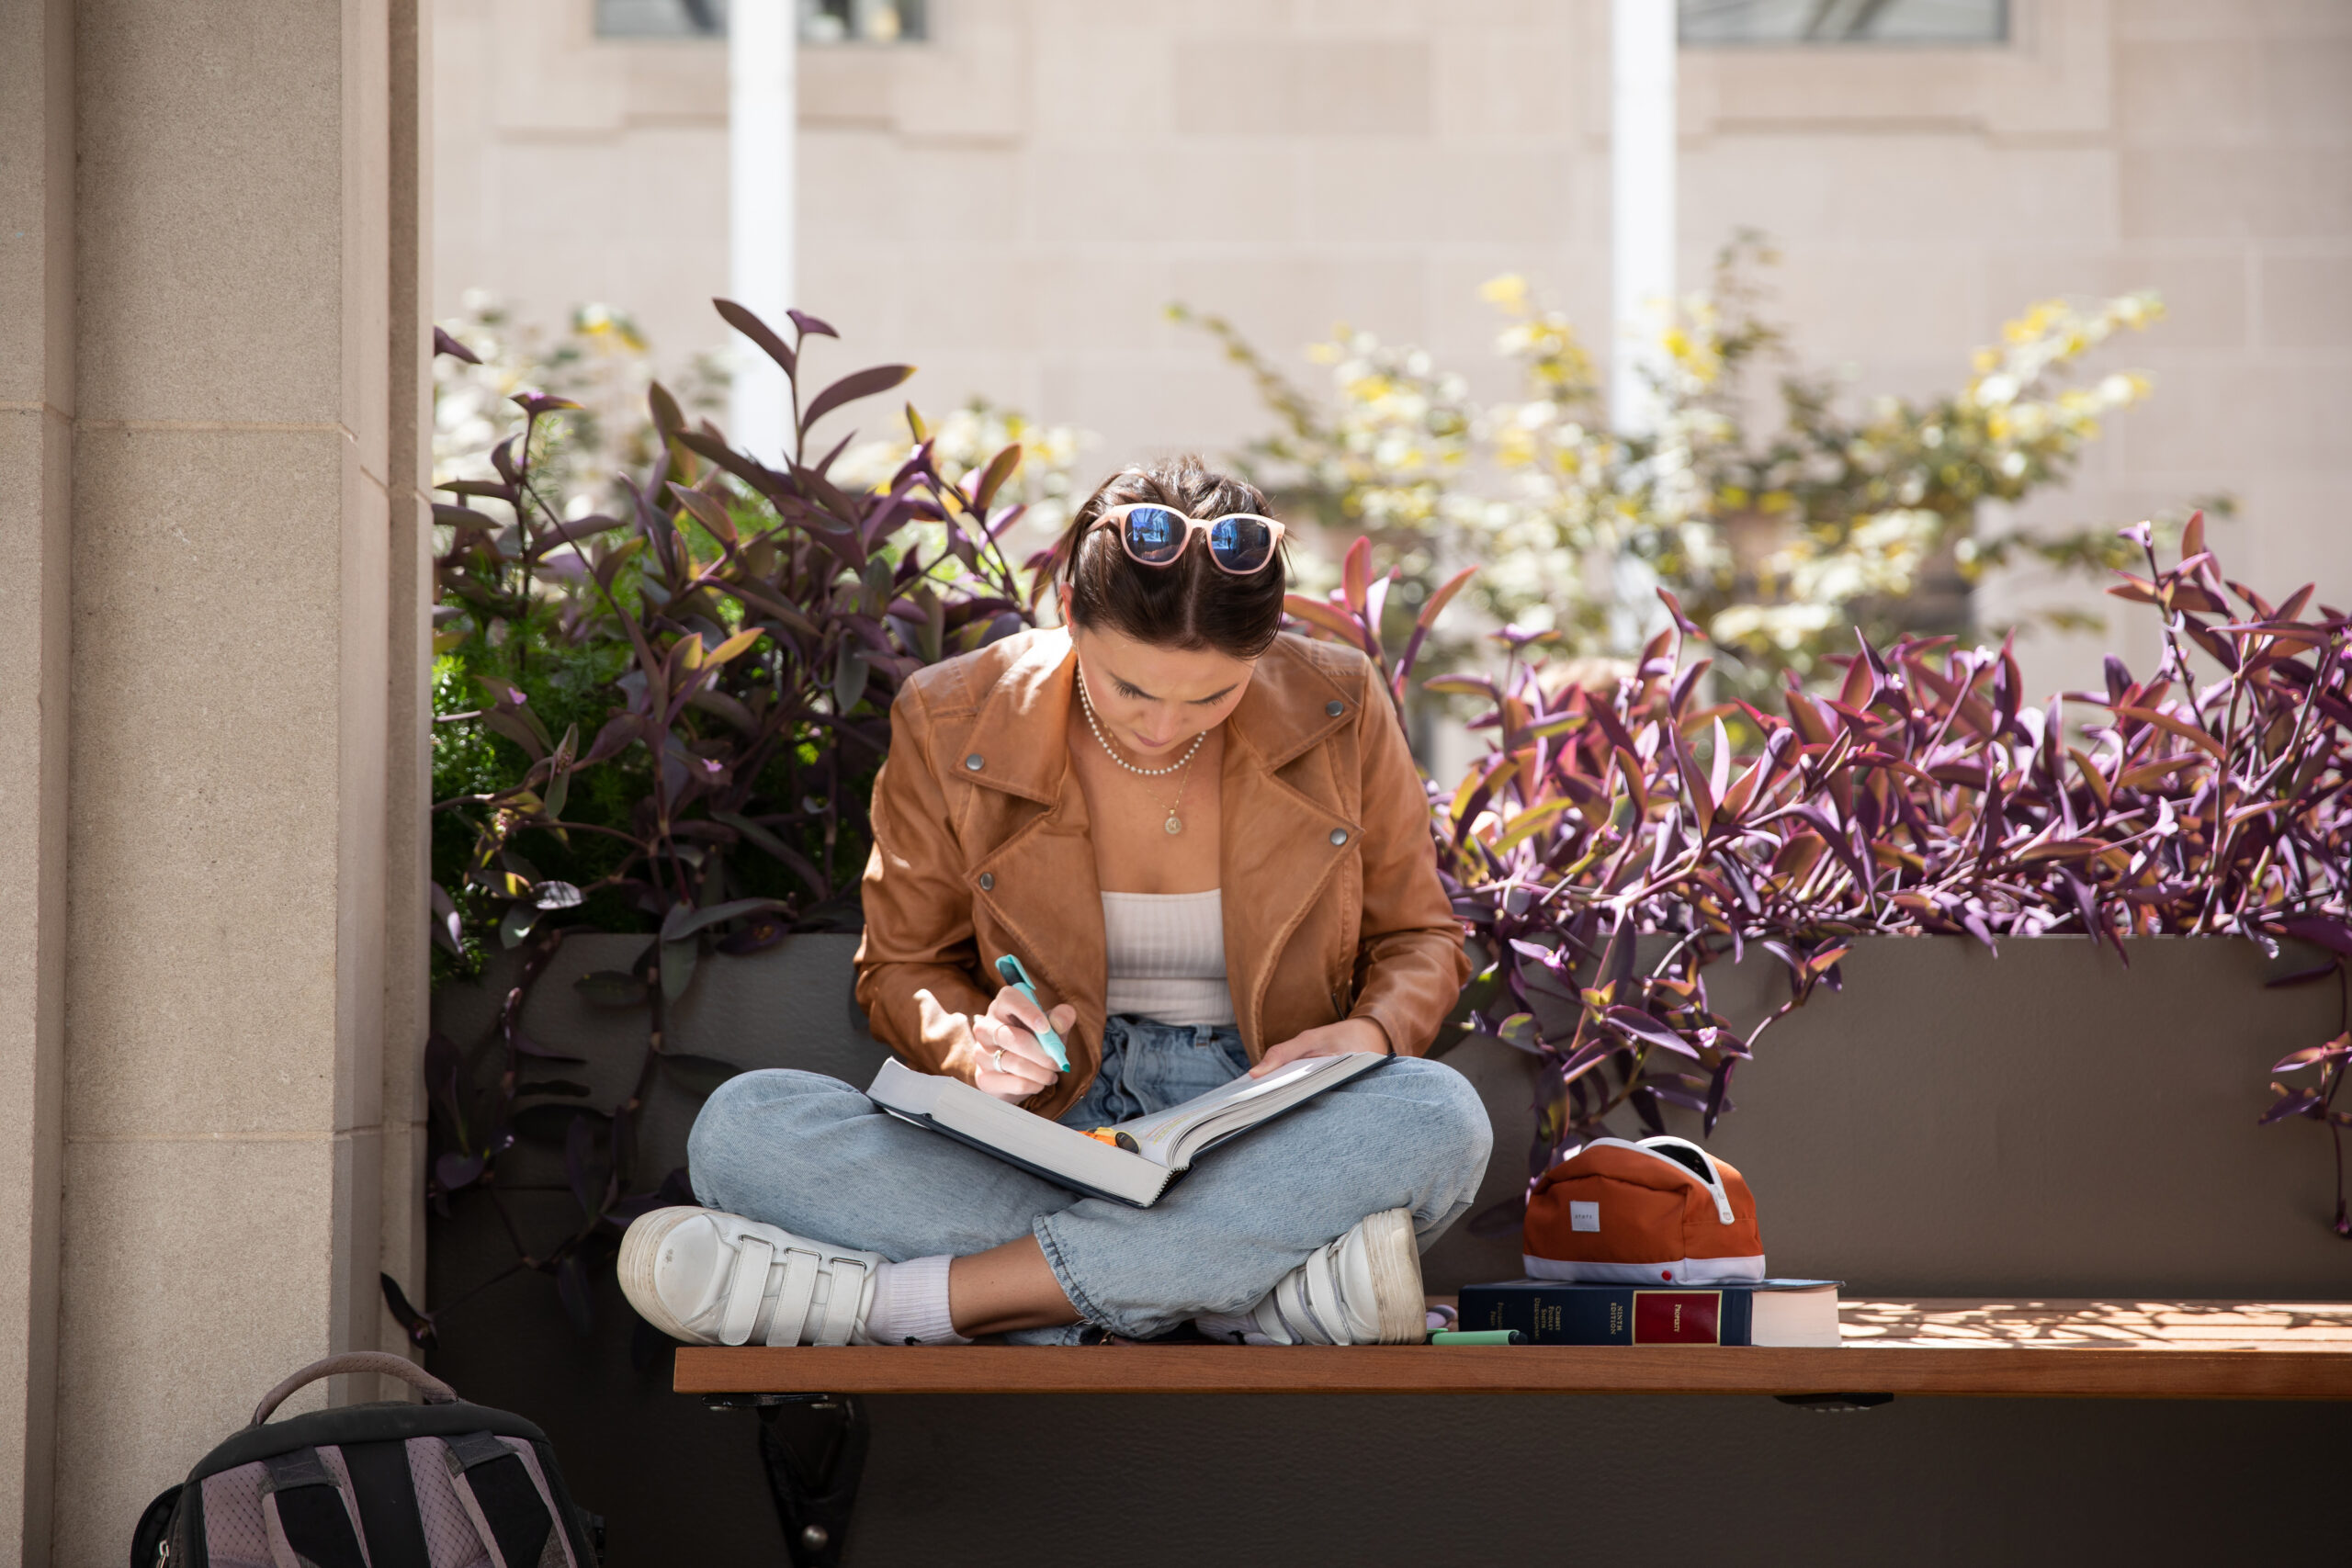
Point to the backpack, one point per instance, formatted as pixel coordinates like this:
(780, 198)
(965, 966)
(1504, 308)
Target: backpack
(1662, 1211)
(441, 1484)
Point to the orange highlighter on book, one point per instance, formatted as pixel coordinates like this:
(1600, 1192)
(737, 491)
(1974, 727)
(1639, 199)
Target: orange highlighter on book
(1009, 967)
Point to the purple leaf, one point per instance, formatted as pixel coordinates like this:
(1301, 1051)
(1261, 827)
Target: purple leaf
(755, 935)
(697, 1075)
(853, 386)
(2296, 1102)
(684, 919)
(2334, 1049)
(522, 1044)
(743, 320)
(416, 1325)
(1642, 1026)
(445, 344)
(446, 931)
(456, 1171)
(2321, 930)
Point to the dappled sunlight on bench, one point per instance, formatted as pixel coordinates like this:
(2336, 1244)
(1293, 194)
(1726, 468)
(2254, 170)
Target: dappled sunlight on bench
(2101, 1324)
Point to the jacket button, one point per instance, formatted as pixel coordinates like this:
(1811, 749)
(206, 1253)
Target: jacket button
(1335, 707)
(988, 881)
(1339, 837)
(975, 762)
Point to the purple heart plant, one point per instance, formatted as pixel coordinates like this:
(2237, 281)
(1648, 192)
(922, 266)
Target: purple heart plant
(668, 721)
(1923, 797)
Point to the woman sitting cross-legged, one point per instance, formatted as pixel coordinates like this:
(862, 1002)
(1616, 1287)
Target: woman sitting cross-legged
(1208, 844)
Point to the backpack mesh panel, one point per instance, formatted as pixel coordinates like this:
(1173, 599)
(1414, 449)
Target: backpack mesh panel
(232, 1528)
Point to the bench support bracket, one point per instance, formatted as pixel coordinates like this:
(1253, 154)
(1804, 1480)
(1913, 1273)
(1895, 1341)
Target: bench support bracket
(812, 1447)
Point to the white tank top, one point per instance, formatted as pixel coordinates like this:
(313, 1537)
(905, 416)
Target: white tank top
(1166, 954)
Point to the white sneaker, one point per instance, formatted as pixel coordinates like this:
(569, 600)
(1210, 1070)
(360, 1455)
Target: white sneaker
(1363, 1288)
(713, 1279)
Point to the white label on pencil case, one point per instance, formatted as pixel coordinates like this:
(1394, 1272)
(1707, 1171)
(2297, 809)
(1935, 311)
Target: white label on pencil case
(1584, 1216)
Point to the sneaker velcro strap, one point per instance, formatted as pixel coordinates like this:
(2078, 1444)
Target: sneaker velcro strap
(1308, 1302)
(842, 1302)
(793, 1298)
(305, 1516)
(503, 1501)
(746, 1288)
(1324, 1302)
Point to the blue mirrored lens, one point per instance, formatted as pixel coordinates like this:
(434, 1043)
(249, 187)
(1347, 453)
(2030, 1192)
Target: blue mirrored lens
(1155, 534)
(1240, 544)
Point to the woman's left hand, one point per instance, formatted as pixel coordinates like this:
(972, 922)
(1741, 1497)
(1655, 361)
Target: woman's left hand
(1326, 1040)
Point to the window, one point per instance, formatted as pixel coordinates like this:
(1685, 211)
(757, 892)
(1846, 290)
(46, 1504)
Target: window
(1844, 21)
(821, 21)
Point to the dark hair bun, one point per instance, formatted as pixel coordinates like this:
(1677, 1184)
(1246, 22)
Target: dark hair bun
(1191, 604)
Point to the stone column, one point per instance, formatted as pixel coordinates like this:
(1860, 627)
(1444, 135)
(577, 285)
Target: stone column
(240, 590)
(36, 494)
(408, 700)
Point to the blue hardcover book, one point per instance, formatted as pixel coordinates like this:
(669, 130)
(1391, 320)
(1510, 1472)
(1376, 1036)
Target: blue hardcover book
(1561, 1312)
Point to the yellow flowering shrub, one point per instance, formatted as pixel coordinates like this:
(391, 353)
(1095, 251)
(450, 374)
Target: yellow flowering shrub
(1774, 540)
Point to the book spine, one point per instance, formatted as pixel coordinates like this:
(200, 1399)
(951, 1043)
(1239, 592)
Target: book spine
(1612, 1314)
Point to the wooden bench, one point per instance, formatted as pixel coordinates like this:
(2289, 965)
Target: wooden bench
(2050, 1349)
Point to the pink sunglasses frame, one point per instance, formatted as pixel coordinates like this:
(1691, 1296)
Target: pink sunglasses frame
(1191, 525)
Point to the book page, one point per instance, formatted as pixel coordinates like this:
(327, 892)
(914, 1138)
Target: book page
(1237, 1104)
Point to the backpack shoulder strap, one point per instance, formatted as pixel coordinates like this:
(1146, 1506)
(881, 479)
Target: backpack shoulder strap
(504, 1501)
(304, 1514)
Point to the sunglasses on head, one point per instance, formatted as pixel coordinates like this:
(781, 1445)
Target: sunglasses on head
(1239, 542)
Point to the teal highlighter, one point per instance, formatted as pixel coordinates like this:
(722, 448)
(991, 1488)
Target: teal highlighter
(1018, 979)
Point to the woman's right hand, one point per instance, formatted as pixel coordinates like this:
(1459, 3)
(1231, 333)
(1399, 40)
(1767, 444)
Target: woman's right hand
(1012, 1065)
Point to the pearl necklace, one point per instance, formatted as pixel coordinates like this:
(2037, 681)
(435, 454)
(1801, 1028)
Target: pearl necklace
(1174, 824)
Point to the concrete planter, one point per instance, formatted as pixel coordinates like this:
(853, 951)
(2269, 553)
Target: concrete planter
(2045, 1123)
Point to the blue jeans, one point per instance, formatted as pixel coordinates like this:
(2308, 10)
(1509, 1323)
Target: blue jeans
(816, 1157)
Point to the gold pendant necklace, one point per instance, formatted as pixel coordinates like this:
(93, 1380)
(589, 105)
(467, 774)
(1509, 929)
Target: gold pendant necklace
(1182, 766)
(1175, 824)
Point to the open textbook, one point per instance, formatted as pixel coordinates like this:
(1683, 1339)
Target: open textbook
(1133, 1162)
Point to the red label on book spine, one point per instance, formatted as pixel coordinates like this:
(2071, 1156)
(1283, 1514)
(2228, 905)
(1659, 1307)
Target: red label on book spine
(1678, 1317)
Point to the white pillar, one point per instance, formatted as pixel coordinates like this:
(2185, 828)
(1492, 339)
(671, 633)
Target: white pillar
(1641, 202)
(761, 121)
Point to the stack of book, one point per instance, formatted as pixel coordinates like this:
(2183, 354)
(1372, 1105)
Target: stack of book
(1561, 1312)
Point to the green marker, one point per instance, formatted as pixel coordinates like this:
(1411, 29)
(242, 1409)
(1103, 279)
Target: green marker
(1018, 979)
(1478, 1336)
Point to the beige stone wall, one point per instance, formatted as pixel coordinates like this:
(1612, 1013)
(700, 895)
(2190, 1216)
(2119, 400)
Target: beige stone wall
(36, 404)
(208, 497)
(1011, 205)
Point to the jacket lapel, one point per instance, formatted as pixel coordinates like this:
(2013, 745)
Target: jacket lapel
(1018, 731)
(1045, 865)
(1276, 859)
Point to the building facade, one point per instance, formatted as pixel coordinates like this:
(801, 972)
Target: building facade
(1011, 200)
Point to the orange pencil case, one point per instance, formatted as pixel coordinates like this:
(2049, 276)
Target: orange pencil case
(1663, 1211)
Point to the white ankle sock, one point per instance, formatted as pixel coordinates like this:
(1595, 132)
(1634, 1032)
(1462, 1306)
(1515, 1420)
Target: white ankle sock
(911, 1305)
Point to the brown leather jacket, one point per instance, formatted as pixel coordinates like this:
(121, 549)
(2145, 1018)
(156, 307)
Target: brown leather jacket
(1332, 905)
